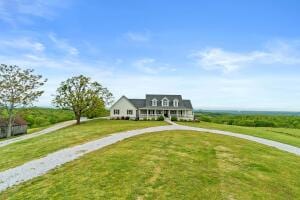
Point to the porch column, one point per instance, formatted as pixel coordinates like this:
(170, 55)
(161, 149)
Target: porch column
(169, 114)
(147, 114)
(155, 113)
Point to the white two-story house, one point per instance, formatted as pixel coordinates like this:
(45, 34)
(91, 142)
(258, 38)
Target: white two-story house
(153, 106)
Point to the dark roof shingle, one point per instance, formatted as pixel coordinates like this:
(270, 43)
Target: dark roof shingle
(138, 103)
(159, 97)
(187, 103)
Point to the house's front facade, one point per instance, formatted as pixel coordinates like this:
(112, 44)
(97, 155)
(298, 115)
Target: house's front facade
(153, 106)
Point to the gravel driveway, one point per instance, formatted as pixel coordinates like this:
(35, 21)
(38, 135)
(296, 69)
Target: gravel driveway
(41, 166)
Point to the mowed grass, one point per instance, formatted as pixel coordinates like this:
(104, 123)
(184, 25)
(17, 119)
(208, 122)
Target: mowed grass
(284, 135)
(24, 151)
(171, 165)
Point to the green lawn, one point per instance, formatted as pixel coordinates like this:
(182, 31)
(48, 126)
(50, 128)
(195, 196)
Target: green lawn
(23, 151)
(284, 135)
(171, 165)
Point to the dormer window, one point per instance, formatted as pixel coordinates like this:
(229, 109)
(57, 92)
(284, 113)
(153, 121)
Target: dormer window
(175, 102)
(165, 102)
(154, 102)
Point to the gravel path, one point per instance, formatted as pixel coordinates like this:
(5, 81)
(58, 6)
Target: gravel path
(55, 127)
(41, 166)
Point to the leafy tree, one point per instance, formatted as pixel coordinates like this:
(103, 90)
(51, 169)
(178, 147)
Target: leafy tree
(97, 110)
(18, 88)
(81, 95)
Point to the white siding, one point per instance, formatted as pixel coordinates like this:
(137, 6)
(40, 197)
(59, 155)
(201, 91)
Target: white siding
(189, 112)
(122, 105)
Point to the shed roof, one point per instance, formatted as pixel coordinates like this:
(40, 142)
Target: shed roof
(18, 121)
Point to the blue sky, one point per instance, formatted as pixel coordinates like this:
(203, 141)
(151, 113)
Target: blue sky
(220, 54)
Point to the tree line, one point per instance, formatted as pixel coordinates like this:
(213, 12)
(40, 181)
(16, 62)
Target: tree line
(254, 120)
(19, 88)
(39, 116)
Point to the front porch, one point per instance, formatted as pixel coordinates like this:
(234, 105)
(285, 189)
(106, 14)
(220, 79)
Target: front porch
(155, 113)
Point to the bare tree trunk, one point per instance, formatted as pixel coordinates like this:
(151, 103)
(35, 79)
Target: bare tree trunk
(10, 121)
(77, 120)
(78, 116)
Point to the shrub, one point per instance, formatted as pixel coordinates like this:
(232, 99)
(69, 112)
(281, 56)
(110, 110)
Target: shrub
(160, 118)
(127, 118)
(118, 118)
(122, 117)
(262, 123)
(173, 118)
(205, 118)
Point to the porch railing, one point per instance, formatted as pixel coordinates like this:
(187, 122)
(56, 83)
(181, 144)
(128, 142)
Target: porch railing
(172, 115)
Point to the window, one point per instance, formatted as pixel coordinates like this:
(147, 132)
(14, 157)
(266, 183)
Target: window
(173, 112)
(154, 102)
(151, 112)
(175, 103)
(129, 112)
(116, 112)
(165, 102)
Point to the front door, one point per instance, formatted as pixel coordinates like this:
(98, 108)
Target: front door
(166, 113)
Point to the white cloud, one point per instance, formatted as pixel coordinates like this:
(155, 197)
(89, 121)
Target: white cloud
(63, 45)
(19, 11)
(138, 37)
(278, 52)
(143, 65)
(23, 44)
(151, 66)
(57, 69)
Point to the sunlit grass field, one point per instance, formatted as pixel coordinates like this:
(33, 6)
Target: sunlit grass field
(23, 151)
(171, 165)
(284, 135)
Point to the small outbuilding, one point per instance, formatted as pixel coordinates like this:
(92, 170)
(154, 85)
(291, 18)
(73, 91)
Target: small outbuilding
(19, 127)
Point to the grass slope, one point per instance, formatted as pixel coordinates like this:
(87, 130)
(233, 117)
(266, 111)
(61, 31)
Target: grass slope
(171, 165)
(284, 135)
(21, 152)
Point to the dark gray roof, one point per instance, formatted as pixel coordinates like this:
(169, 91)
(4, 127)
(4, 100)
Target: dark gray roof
(182, 104)
(138, 103)
(187, 103)
(159, 97)
(147, 103)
